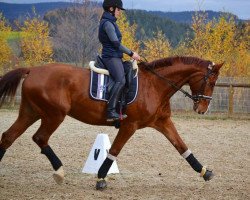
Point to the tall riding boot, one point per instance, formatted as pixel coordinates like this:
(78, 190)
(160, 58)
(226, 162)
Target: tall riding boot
(115, 94)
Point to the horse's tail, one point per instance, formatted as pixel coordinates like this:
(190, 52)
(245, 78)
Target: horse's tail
(9, 83)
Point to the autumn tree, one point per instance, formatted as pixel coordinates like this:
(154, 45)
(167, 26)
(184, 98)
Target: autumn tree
(217, 40)
(157, 47)
(36, 46)
(128, 34)
(5, 50)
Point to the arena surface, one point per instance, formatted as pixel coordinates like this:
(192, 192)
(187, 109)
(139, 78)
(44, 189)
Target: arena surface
(150, 167)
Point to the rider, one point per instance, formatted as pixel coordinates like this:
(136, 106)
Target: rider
(112, 52)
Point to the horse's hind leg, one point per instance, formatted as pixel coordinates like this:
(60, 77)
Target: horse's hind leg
(41, 138)
(24, 120)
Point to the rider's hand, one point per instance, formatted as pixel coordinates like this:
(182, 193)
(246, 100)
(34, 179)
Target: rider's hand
(136, 56)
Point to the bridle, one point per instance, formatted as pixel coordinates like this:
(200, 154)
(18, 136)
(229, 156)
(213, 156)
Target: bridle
(196, 98)
(200, 95)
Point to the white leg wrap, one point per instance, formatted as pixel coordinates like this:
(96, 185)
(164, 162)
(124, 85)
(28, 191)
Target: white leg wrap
(186, 154)
(111, 157)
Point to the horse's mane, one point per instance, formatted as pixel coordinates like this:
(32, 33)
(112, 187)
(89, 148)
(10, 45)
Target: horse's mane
(165, 62)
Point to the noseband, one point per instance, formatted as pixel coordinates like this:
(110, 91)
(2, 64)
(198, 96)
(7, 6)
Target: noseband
(196, 98)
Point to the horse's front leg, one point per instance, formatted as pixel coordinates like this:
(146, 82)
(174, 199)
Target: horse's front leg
(168, 129)
(125, 132)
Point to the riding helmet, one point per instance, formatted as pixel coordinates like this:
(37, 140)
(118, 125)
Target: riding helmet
(112, 3)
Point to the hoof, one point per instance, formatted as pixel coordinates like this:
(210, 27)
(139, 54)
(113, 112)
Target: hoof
(59, 176)
(101, 184)
(208, 175)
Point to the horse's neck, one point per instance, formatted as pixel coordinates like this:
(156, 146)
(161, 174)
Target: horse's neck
(178, 74)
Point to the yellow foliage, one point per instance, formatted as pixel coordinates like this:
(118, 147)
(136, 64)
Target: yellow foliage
(35, 43)
(217, 41)
(157, 47)
(128, 34)
(5, 50)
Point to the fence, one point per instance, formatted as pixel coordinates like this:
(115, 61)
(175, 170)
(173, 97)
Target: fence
(230, 96)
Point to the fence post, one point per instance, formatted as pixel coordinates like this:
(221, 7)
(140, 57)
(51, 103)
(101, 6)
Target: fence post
(231, 100)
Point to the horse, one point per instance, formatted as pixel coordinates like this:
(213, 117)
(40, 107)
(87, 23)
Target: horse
(52, 91)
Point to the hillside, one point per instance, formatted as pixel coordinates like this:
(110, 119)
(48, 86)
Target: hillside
(148, 23)
(175, 25)
(14, 11)
(186, 16)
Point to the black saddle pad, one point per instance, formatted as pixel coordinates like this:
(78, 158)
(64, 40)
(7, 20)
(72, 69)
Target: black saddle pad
(100, 85)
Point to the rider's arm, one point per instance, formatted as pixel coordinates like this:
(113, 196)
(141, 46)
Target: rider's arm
(110, 30)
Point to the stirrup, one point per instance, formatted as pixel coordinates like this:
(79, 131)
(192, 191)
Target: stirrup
(121, 117)
(112, 119)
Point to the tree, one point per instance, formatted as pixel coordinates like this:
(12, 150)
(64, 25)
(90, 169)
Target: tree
(219, 41)
(36, 46)
(5, 50)
(128, 34)
(75, 32)
(157, 47)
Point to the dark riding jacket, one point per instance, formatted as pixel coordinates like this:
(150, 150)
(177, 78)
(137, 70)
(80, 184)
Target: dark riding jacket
(111, 37)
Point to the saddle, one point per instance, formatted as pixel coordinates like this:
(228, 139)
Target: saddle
(101, 83)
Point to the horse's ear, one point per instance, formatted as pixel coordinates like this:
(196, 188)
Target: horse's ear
(218, 66)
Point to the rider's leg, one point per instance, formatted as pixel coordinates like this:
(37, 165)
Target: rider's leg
(116, 70)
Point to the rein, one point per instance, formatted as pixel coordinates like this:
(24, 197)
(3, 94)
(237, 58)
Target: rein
(195, 98)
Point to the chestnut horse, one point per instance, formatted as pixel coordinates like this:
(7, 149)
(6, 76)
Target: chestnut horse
(53, 91)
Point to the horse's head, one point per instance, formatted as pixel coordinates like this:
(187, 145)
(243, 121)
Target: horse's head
(202, 86)
(201, 75)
